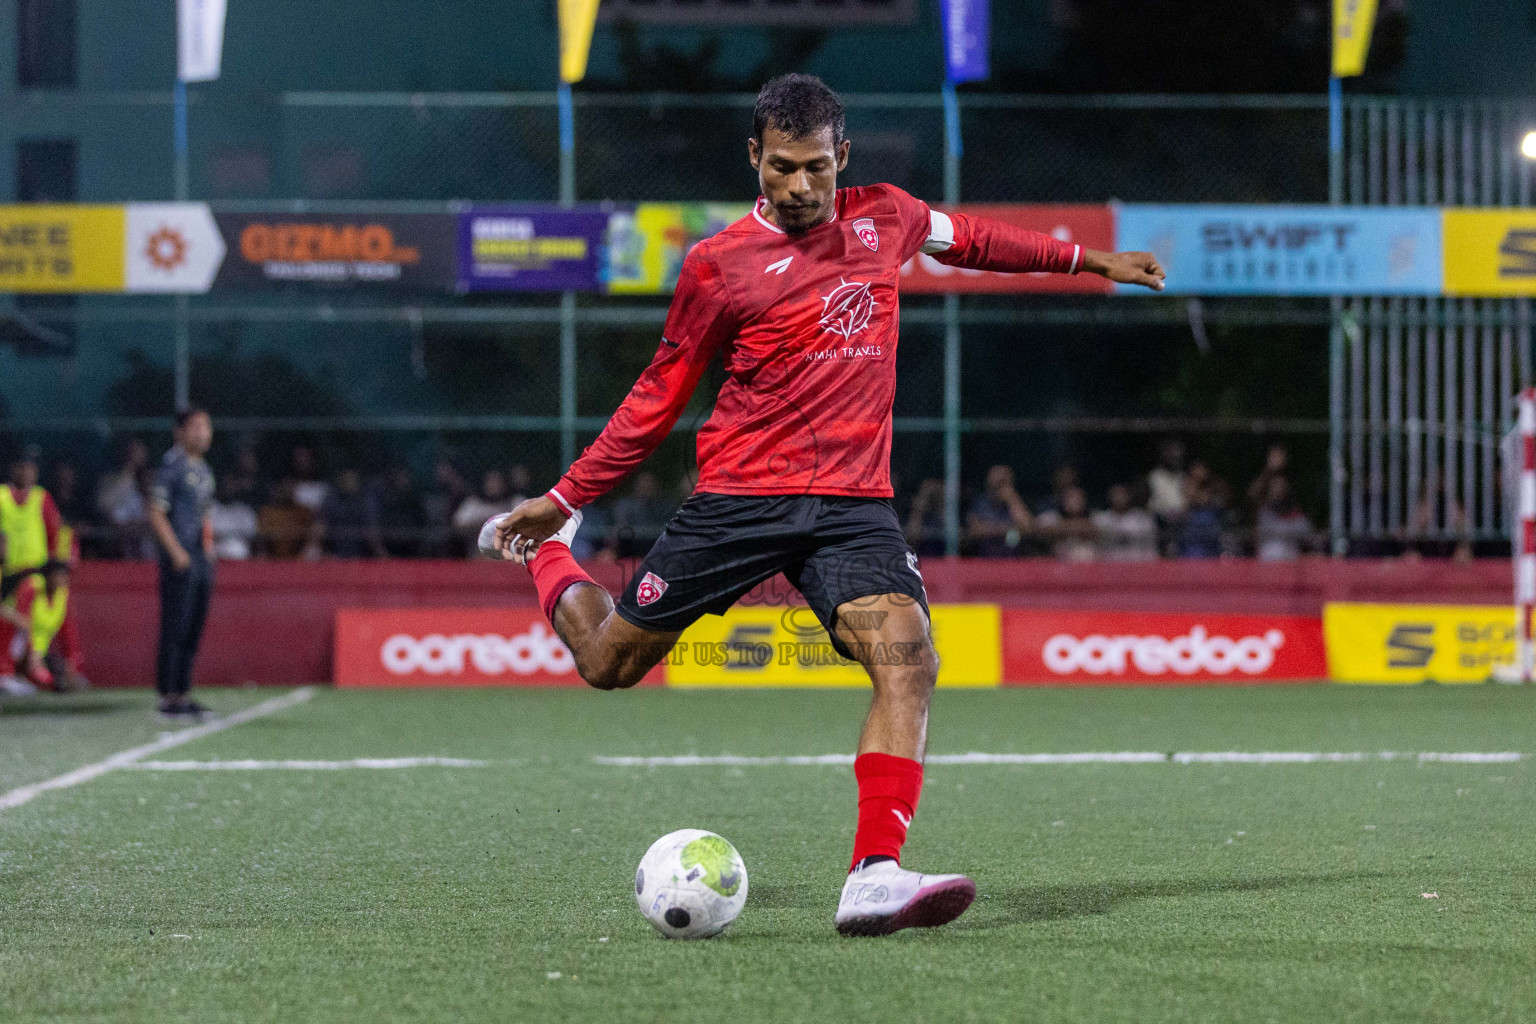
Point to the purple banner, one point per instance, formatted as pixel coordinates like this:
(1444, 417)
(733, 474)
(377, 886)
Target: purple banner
(532, 249)
(966, 39)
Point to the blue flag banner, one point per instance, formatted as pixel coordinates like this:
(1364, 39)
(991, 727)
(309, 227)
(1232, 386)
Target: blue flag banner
(967, 42)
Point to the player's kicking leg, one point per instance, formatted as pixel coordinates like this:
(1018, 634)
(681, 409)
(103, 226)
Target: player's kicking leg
(890, 636)
(610, 652)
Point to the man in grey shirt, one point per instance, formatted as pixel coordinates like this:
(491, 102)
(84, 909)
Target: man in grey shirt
(178, 514)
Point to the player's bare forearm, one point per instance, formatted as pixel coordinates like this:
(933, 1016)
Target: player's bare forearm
(1125, 267)
(161, 525)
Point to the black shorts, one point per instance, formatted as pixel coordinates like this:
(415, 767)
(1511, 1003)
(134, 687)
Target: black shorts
(719, 546)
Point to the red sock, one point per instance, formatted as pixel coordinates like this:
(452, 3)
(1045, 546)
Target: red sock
(554, 570)
(888, 790)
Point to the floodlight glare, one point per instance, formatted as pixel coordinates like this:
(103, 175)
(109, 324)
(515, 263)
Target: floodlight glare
(1528, 146)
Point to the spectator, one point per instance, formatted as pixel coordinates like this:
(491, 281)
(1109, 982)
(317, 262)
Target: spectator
(309, 489)
(1062, 481)
(120, 500)
(998, 519)
(234, 525)
(1437, 524)
(925, 520)
(1276, 462)
(492, 499)
(284, 525)
(342, 527)
(519, 483)
(639, 518)
(447, 493)
(1125, 533)
(1201, 530)
(1068, 527)
(1281, 530)
(1166, 483)
(64, 485)
(246, 484)
(394, 515)
(593, 538)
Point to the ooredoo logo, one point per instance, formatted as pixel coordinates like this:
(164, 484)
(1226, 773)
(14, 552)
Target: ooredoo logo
(537, 650)
(1194, 652)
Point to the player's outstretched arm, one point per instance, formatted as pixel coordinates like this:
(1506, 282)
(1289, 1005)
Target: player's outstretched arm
(980, 243)
(1125, 267)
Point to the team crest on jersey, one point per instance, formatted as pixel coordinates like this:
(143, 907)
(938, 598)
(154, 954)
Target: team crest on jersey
(848, 309)
(650, 589)
(864, 227)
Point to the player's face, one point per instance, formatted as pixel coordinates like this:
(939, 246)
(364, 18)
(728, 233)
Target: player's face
(197, 434)
(798, 176)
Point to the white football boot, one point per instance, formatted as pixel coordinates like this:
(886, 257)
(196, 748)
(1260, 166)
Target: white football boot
(885, 897)
(523, 549)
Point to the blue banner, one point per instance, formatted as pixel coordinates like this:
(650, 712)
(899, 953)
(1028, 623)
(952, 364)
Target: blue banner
(967, 42)
(533, 248)
(1287, 250)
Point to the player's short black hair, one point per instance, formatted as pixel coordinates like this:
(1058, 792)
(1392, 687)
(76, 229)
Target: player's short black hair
(798, 105)
(184, 415)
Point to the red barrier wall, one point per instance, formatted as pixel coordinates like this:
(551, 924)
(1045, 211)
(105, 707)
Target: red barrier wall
(271, 622)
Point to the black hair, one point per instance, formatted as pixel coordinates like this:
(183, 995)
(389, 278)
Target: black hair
(184, 415)
(798, 105)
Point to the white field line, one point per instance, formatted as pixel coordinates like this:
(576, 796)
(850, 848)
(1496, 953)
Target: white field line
(316, 766)
(126, 758)
(1085, 757)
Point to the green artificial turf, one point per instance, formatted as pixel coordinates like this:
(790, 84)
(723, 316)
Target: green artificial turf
(1157, 892)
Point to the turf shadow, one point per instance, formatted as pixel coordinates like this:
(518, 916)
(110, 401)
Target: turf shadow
(1057, 902)
(785, 897)
(45, 705)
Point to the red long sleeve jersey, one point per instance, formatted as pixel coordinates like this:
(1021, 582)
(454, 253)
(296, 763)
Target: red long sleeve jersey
(807, 327)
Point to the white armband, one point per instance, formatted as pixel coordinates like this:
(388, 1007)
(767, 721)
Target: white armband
(941, 233)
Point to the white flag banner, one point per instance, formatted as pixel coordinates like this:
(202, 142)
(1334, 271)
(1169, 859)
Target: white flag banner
(199, 39)
(171, 248)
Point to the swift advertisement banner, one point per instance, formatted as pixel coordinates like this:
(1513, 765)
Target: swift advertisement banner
(532, 249)
(452, 647)
(1049, 648)
(1287, 250)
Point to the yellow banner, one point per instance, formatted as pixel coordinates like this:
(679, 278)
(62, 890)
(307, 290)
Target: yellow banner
(1416, 643)
(786, 646)
(646, 248)
(577, 19)
(47, 248)
(1489, 252)
(1352, 24)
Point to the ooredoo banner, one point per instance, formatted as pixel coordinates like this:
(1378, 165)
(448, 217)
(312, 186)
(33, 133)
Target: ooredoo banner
(1049, 647)
(1092, 227)
(451, 647)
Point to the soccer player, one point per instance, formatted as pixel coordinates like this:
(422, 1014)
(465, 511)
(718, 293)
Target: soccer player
(799, 299)
(178, 514)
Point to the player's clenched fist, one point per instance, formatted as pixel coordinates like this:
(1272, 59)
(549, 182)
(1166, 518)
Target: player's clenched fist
(1126, 267)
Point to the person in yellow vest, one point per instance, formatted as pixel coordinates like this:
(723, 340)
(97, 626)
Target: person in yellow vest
(47, 651)
(29, 519)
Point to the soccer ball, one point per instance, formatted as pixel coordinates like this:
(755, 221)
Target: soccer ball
(691, 884)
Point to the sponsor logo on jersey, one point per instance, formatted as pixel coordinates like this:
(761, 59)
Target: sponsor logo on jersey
(847, 309)
(864, 227)
(778, 267)
(650, 589)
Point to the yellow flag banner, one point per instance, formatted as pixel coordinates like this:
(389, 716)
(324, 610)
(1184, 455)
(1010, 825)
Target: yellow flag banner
(577, 19)
(1352, 24)
(61, 248)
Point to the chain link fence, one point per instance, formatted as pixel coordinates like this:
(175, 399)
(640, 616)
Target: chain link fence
(370, 379)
